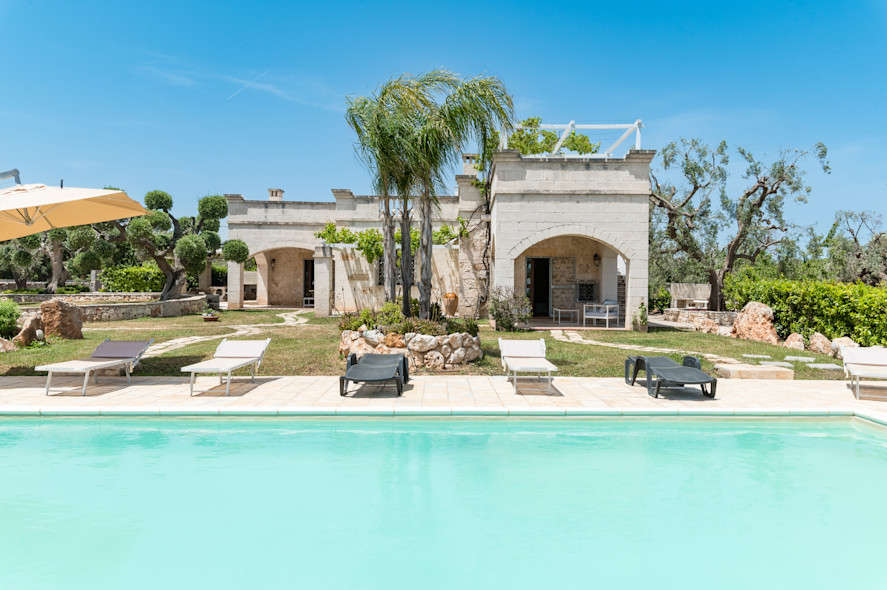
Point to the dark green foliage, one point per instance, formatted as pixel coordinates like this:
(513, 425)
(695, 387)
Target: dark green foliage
(236, 251)
(661, 300)
(158, 200)
(146, 277)
(834, 309)
(462, 325)
(213, 207)
(72, 290)
(191, 250)
(9, 314)
(219, 274)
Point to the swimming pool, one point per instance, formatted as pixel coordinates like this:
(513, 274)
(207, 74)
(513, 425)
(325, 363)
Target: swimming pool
(246, 503)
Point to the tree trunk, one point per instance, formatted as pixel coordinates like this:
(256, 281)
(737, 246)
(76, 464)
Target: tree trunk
(176, 279)
(21, 280)
(406, 261)
(59, 272)
(716, 280)
(425, 258)
(389, 252)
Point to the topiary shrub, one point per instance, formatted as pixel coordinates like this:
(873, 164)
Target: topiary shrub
(508, 308)
(9, 314)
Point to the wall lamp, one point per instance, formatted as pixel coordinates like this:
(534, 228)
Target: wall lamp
(597, 260)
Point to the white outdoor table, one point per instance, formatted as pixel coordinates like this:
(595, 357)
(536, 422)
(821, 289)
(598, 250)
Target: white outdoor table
(529, 365)
(559, 311)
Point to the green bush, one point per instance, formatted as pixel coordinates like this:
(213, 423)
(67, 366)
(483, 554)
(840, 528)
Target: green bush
(660, 300)
(9, 314)
(71, 290)
(462, 325)
(390, 315)
(146, 277)
(24, 291)
(833, 309)
(219, 275)
(508, 308)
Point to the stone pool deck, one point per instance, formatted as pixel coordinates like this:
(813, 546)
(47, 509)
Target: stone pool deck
(432, 395)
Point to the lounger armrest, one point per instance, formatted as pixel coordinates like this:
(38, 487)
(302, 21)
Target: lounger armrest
(692, 361)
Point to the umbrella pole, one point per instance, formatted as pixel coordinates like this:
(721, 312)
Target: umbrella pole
(11, 174)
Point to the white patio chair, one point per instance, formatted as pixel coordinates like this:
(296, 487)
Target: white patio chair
(608, 310)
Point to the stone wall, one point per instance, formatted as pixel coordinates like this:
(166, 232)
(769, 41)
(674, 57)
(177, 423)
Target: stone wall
(721, 318)
(111, 312)
(83, 297)
(432, 352)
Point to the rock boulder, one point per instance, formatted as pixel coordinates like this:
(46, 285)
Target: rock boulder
(28, 333)
(819, 343)
(755, 322)
(795, 342)
(6, 345)
(61, 318)
(843, 341)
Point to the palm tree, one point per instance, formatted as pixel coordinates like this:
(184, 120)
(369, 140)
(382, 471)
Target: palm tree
(470, 109)
(382, 124)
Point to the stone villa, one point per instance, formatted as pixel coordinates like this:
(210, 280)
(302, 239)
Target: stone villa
(565, 229)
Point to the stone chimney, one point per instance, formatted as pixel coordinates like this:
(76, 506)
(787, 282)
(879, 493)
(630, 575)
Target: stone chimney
(275, 194)
(468, 163)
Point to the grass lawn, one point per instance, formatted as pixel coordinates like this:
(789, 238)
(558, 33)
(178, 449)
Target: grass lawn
(312, 348)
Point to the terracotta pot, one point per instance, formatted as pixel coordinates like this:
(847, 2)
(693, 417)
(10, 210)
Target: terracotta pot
(451, 304)
(210, 318)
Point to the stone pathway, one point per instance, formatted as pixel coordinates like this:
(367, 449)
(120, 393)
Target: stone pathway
(575, 337)
(290, 318)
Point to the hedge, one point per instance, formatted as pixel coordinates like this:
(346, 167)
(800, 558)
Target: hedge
(833, 309)
(129, 279)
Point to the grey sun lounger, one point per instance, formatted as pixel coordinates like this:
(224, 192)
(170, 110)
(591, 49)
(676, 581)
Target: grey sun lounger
(664, 372)
(375, 367)
(107, 355)
(229, 356)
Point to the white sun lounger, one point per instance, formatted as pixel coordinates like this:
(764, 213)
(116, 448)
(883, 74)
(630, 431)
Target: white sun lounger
(107, 355)
(230, 356)
(525, 356)
(864, 363)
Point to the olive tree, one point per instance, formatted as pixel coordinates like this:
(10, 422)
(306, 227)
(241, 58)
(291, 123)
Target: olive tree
(179, 245)
(712, 228)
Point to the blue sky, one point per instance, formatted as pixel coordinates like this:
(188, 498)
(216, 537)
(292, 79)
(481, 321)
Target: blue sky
(200, 98)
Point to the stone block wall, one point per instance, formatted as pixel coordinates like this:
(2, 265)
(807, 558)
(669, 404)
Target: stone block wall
(111, 312)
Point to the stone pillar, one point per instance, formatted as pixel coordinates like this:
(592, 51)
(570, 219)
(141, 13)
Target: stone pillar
(609, 275)
(95, 284)
(635, 287)
(205, 279)
(323, 281)
(235, 285)
(263, 277)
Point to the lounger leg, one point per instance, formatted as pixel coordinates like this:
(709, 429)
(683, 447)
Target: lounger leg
(193, 376)
(85, 382)
(857, 387)
(228, 385)
(398, 381)
(515, 383)
(714, 388)
(343, 386)
(549, 383)
(252, 373)
(127, 369)
(48, 381)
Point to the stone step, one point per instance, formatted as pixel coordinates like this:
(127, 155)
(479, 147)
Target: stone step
(757, 356)
(826, 366)
(800, 359)
(746, 371)
(778, 364)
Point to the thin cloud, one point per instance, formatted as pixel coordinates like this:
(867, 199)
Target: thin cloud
(248, 84)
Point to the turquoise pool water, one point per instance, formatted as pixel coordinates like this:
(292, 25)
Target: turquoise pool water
(159, 503)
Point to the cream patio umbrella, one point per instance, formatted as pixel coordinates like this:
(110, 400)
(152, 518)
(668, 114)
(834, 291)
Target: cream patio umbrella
(27, 209)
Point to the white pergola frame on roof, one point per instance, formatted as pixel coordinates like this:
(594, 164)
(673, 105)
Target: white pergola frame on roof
(572, 126)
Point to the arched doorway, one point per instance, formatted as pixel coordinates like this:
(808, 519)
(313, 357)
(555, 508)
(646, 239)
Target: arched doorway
(285, 276)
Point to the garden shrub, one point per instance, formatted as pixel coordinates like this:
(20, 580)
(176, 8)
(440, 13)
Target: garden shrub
(462, 325)
(508, 308)
(833, 309)
(24, 291)
(661, 300)
(390, 314)
(146, 277)
(219, 275)
(9, 314)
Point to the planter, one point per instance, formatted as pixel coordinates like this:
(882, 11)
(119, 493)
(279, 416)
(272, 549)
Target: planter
(210, 318)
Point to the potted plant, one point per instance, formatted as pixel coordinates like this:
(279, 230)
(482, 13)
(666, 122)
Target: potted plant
(210, 314)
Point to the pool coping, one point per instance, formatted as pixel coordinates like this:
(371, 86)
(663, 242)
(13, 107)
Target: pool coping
(454, 411)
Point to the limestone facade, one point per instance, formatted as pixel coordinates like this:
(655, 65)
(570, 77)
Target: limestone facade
(588, 217)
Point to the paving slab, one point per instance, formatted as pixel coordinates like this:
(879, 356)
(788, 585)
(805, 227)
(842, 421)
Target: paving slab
(826, 366)
(777, 364)
(756, 356)
(800, 359)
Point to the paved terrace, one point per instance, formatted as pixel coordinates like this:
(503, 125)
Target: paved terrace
(433, 395)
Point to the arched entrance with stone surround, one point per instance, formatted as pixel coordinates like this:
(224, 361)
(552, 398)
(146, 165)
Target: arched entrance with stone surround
(575, 278)
(285, 276)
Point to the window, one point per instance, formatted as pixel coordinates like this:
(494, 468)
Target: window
(380, 272)
(587, 292)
